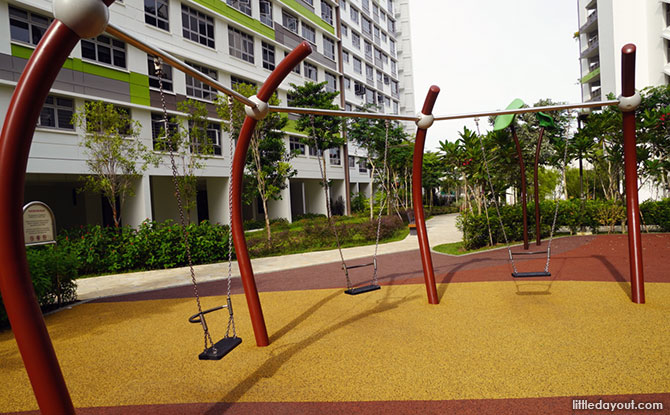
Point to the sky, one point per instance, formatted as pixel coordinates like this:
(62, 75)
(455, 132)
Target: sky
(485, 53)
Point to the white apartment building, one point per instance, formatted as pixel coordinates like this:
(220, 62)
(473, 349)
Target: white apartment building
(605, 26)
(361, 48)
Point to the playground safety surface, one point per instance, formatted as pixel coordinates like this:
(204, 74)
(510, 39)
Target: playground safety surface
(492, 346)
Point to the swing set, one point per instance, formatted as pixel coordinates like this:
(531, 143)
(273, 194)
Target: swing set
(89, 19)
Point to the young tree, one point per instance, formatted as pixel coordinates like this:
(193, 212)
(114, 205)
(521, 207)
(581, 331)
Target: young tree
(322, 131)
(190, 145)
(115, 156)
(268, 161)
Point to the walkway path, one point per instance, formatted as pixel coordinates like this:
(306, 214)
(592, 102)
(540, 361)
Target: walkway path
(441, 230)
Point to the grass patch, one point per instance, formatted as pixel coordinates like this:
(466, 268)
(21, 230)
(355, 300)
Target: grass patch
(456, 248)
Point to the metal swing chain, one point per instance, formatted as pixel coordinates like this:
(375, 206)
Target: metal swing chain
(381, 210)
(553, 224)
(325, 186)
(158, 66)
(495, 202)
(231, 319)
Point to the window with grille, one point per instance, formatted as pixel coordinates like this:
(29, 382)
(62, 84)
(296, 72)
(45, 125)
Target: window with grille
(104, 49)
(345, 56)
(240, 45)
(352, 162)
(356, 40)
(266, 12)
(199, 89)
(344, 30)
(296, 146)
(268, 56)
(289, 21)
(153, 77)
(197, 26)
(367, 26)
(343, 4)
(242, 5)
(156, 13)
(370, 74)
(25, 26)
(358, 65)
(329, 48)
(235, 82)
(331, 82)
(57, 113)
(158, 131)
(212, 140)
(354, 15)
(334, 156)
(362, 165)
(327, 12)
(309, 33)
(310, 71)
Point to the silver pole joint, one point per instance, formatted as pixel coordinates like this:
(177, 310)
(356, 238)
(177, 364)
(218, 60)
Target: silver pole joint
(259, 111)
(628, 104)
(425, 121)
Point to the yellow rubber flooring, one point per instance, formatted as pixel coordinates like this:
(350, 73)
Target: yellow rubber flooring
(484, 340)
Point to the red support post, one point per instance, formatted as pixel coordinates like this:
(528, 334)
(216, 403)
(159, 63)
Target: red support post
(25, 316)
(246, 271)
(417, 197)
(630, 165)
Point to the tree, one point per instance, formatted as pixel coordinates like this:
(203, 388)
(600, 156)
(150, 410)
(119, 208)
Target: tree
(114, 155)
(190, 145)
(323, 131)
(268, 162)
(370, 134)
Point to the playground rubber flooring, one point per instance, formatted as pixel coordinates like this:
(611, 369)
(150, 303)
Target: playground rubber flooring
(493, 345)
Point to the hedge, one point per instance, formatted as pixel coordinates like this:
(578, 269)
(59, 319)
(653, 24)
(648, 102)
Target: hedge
(572, 214)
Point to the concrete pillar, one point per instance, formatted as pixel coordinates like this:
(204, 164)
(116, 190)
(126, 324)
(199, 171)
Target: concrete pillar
(217, 199)
(281, 208)
(137, 209)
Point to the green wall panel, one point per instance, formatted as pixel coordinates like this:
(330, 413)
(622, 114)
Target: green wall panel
(310, 15)
(221, 7)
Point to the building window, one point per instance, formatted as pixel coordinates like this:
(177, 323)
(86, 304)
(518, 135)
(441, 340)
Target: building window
(359, 88)
(327, 12)
(212, 145)
(104, 49)
(313, 151)
(354, 15)
(265, 7)
(310, 72)
(394, 88)
(235, 82)
(334, 156)
(345, 56)
(358, 65)
(296, 146)
(331, 82)
(328, 48)
(310, 2)
(368, 50)
(390, 24)
(369, 96)
(395, 107)
(347, 83)
(379, 61)
(362, 165)
(345, 30)
(343, 4)
(394, 68)
(156, 13)
(366, 5)
(309, 33)
(241, 45)
(197, 26)
(378, 34)
(123, 130)
(367, 26)
(158, 129)
(198, 89)
(57, 113)
(166, 74)
(268, 56)
(356, 40)
(289, 21)
(352, 162)
(390, 6)
(370, 74)
(384, 37)
(242, 5)
(25, 26)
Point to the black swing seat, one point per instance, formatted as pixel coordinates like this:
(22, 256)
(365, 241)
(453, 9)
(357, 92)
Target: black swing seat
(220, 348)
(529, 252)
(348, 267)
(363, 289)
(531, 274)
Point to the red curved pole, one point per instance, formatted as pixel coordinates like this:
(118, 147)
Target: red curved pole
(417, 167)
(246, 271)
(630, 165)
(16, 285)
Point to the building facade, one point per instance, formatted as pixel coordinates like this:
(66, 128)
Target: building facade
(359, 49)
(605, 26)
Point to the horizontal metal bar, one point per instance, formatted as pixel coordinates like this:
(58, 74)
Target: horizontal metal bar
(176, 63)
(341, 113)
(533, 109)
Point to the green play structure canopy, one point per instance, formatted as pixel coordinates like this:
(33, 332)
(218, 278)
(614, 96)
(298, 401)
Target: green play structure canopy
(545, 120)
(503, 121)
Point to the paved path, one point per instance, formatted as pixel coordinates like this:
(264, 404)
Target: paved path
(441, 229)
